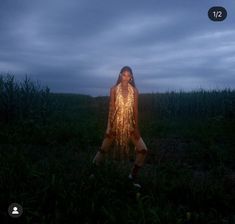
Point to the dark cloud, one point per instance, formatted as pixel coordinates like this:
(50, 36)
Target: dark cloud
(80, 46)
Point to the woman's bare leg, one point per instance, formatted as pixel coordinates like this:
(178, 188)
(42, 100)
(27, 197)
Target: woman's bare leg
(103, 149)
(141, 152)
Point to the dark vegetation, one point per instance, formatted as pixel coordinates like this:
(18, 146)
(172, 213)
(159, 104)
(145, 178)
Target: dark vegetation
(48, 141)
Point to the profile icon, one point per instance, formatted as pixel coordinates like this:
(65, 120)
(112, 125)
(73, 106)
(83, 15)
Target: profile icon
(15, 210)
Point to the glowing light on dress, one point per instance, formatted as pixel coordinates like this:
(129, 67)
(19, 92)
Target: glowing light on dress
(123, 119)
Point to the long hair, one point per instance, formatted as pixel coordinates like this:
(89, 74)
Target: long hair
(126, 68)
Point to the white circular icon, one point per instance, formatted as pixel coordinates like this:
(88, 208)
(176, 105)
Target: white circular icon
(15, 210)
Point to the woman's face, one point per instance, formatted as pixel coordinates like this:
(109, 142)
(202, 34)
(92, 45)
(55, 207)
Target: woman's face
(126, 76)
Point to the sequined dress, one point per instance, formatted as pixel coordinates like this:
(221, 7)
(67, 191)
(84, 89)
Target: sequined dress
(123, 123)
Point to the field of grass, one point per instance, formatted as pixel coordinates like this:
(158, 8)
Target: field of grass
(48, 140)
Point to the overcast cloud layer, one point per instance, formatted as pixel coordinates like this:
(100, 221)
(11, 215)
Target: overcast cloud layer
(79, 46)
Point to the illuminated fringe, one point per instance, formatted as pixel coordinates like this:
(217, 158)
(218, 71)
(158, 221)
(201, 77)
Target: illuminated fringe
(123, 122)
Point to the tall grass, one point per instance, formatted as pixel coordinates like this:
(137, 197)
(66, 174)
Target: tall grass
(50, 139)
(194, 104)
(23, 100)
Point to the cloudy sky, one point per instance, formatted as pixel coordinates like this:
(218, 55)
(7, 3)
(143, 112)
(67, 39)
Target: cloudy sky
(79, 46)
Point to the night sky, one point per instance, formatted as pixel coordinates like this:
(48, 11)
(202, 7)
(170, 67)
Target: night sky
(79, 46)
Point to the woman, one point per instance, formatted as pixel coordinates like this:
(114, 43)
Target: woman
(123, 122)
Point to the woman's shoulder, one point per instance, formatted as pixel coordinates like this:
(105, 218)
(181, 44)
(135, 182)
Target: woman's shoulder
(113, 88)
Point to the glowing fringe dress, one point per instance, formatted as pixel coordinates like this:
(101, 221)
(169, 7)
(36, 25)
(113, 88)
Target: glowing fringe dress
(123, 120)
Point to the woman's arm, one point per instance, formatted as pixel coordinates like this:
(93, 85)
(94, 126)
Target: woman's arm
(111, 108)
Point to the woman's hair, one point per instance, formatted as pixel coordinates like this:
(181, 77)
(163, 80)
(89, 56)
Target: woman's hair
(126, 68)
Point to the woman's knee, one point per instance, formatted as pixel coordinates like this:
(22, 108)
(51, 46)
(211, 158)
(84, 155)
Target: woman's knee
(140, 145)
(142, 152)
(107, 142)
(140, 157)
